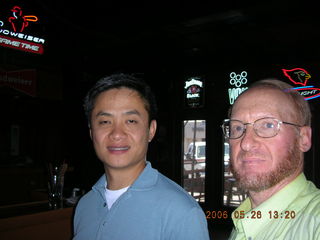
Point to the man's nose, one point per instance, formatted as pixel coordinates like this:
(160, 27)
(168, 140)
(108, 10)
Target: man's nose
(117, 132)
(249, 140)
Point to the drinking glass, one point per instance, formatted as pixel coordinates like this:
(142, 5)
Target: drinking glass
(55, 185)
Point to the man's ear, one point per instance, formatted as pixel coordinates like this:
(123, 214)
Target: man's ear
(152, 129)
(90, 133)
(305, 138)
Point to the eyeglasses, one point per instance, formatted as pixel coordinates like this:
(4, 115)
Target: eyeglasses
(264, 127)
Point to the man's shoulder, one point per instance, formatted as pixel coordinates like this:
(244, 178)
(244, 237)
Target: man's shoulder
(89, 199)
(307, 215)
(314, 200)
(166, 183)
(174, 192)
(309, 200)
(90, 195)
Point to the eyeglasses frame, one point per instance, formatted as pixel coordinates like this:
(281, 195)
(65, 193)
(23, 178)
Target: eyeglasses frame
(252, 123)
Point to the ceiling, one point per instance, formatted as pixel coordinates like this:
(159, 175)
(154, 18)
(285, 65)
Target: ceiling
(126, 32)
(123, 22)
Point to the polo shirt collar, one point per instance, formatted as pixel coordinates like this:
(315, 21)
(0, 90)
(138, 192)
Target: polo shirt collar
(146, 180)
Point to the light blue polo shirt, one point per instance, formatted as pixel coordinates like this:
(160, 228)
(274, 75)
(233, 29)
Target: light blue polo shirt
(153, 208)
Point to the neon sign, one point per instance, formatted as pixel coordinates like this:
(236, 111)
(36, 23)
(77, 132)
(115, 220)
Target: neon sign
(18, 20)
(12, 36)
(194, 89)
(237, 80)
(300, 76)
(297, 75)
(21, 80)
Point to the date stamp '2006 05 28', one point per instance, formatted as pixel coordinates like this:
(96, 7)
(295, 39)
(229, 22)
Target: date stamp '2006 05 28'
(251, 215)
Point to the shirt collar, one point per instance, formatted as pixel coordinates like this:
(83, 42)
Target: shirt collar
(278, 202)
(146, 180)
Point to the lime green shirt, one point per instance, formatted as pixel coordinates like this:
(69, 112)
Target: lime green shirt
(291, 213)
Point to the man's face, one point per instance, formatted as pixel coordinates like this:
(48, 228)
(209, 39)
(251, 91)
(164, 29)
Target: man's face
(260, 163)
(120, 128)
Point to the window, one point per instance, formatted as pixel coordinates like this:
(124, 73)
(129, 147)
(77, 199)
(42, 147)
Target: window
(194, 158)
(233, 195)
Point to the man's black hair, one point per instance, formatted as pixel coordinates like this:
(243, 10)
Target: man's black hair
(121, 80)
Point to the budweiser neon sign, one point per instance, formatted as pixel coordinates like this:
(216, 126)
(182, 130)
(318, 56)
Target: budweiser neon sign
(21, 80)
(12, 32)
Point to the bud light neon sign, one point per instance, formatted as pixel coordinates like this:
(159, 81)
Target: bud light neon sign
(300, 77)
(238, 81)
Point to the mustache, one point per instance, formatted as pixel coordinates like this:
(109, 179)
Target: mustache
(252, 154)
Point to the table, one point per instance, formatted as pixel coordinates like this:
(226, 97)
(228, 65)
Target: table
(48, 225)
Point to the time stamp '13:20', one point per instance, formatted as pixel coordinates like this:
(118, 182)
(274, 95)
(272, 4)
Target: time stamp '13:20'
(251, 215)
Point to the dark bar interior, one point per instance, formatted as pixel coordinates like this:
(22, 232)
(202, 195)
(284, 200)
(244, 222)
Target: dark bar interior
(64, 48)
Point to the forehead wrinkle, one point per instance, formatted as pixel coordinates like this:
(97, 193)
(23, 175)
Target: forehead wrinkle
(260, 102)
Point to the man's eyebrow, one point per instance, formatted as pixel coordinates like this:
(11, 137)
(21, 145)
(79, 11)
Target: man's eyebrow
(107, 114)
(101, 113)
(133, 112)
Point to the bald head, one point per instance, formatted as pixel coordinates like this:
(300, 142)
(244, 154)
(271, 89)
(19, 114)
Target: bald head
(289, 100)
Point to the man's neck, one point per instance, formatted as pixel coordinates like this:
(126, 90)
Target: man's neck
(257, 198)
(121, 178)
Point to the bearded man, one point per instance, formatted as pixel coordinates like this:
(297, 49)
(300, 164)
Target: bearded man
(269, 130)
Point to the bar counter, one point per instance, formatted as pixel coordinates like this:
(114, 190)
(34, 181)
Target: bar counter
(49, 225)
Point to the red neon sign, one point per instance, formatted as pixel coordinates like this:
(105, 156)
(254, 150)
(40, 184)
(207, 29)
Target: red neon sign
(15, 38)
(21, 80)
(21, 44)
(301, 76)
(18, 21)
(297, 75)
